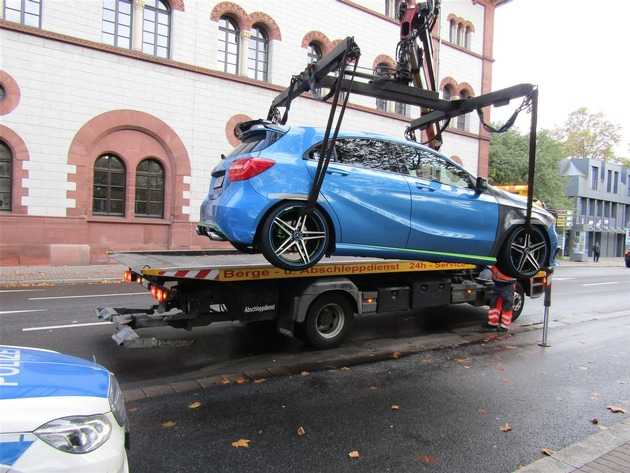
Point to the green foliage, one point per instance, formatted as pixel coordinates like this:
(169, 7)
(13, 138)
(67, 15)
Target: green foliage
(509, 159)
(589, 135)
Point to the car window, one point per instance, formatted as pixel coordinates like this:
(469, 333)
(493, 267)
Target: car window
(430, 166)
(371, 153)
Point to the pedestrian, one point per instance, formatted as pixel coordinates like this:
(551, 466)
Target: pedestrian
(501, 302)
(596, 251)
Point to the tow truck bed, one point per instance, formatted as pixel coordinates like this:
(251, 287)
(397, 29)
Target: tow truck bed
(196, 288)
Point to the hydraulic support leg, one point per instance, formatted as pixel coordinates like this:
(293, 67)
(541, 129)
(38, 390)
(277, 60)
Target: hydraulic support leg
(547, 303)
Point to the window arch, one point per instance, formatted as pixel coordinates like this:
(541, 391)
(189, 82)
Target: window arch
(258, 57)
(460, 34)
(452, 31)
(6, 176)
(26, 12)
(108, 195)
(117, 22)
(229, 44)
(149, 189)
(467, 37)
(447, 92)
(156, 28)
(314, 54)
(381, 70)
(462, 120)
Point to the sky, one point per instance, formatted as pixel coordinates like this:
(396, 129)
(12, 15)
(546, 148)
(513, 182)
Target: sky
(577, 51)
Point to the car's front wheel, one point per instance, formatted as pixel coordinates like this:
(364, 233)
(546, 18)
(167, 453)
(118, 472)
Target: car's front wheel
(293, 237)
(524, 253)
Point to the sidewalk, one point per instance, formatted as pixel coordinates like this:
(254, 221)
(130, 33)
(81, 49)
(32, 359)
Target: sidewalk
(603, 263)
(15, 276)
(607, 451)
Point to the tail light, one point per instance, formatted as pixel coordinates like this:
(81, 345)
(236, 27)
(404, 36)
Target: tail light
(159, 293)
(246, 168)
(129, 276)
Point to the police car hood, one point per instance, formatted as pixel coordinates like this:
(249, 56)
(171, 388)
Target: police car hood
(37, 386)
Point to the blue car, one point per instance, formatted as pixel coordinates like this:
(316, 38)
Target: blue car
(382, 197)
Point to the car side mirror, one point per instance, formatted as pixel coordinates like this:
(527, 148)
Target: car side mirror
(481, 184)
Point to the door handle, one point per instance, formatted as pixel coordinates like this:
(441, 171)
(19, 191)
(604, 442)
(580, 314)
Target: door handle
(336, 170)
(424, 187)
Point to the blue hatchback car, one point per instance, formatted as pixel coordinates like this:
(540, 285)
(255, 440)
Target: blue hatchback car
(382, 197)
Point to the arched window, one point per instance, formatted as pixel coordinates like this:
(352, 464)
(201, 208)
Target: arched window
(258, 57)
(6, 177)
(460, 35)
(381, 70)
(117, 17)
(468, 37)
(229, 45)
(447, 92)
(150, 189)
(156, 28)
(314, 55)
(452, 31)
(402, 109)
(392, 7)
(27, 12)
(109, 186)
(462, 120)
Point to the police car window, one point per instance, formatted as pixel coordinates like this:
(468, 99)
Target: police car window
(430, 166)
(371, 153)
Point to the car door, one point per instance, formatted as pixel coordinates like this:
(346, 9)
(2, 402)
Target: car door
(372, 204)
(448, 216)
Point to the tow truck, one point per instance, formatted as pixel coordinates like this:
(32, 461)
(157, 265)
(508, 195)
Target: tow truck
(318, 304)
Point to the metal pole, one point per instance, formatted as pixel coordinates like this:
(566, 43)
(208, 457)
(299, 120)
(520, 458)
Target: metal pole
(532, 155)
(545, 337)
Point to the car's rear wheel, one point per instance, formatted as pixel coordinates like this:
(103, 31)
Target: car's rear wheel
(293, 237)
(524, 253)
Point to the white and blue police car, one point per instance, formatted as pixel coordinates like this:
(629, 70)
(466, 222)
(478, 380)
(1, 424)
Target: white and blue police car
(59, 413)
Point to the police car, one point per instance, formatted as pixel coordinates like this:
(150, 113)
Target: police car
(59, 413)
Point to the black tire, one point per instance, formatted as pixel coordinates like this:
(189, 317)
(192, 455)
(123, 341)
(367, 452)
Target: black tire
(292, 239)
(328, 321)
(519, 301)
(250, 250)
(524, 252)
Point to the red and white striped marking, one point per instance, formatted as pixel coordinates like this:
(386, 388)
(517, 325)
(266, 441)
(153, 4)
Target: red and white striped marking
(191, 273)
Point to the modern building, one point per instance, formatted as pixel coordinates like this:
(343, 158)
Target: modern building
(600, 191)
(114, 112)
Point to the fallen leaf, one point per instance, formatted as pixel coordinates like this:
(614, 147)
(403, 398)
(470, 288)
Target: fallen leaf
(396, 355)
(344, 368)
(225, 380)
(395, 407)
(305, 373)
(301, 431)
(482, 412)
(547, 451)
(373, 388)
(194, 405)
(241, 380)
(354, 454)
(241, 443)
(616, 409)
(506, 427)
(595, 421)
(132, 409)
(167, 424)
(260, 380)
(427, 459)
(462, 360)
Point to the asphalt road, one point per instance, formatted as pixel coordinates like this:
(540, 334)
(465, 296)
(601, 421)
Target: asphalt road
(62, 318)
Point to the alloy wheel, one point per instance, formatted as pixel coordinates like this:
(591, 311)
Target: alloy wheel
(298, 236)
(528, 250)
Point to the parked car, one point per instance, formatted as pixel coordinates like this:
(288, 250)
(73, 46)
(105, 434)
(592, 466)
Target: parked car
(382, 197)
(59, 413)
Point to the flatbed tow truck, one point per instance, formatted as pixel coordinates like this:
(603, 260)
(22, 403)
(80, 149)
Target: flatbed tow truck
(317, 305)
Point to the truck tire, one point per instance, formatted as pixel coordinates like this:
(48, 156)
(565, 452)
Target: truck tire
(519, 301)
(328, 321)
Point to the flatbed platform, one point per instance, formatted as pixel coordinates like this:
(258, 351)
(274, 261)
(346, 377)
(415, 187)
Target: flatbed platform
(227, 265)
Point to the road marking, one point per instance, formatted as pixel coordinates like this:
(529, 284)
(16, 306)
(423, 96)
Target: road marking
(601, 283)
(21, 290)
(562, 279)
(89, 295)
(6, 312)
(53, 327)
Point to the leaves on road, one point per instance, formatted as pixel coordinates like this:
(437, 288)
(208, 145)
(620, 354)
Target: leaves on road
(547, 452)
(167, 424)
(373, 388)
(260, 380)
(395, 407)
(194, 405)
(240, 380)
(465, 362)
(427, 459)
(396, 355)
(305, 373)
(354, 454)
(506, 427)
(301, 431)
(344, 368)
(241, 443)
(225, 380)
(616, 409)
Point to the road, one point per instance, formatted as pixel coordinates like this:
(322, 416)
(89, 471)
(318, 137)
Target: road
(62, 318)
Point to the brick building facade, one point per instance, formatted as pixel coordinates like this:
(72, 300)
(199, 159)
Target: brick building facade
(114, 112)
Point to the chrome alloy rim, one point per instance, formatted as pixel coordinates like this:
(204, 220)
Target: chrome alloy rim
(297, 237)
(329, 321)
(528, 251)
(518, 301)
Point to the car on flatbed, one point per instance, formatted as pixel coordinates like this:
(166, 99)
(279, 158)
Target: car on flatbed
(59, 414)
(383, 197)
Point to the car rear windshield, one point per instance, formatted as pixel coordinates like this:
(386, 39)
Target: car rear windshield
(254, 142)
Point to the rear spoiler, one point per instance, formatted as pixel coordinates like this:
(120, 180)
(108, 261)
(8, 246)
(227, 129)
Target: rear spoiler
(244, 129)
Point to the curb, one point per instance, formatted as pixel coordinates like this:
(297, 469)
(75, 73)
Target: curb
(579, 454)
(58, 282)
(396, 350)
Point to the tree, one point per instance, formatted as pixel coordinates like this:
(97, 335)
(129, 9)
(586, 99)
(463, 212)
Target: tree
(589, 135)
(509, 159)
